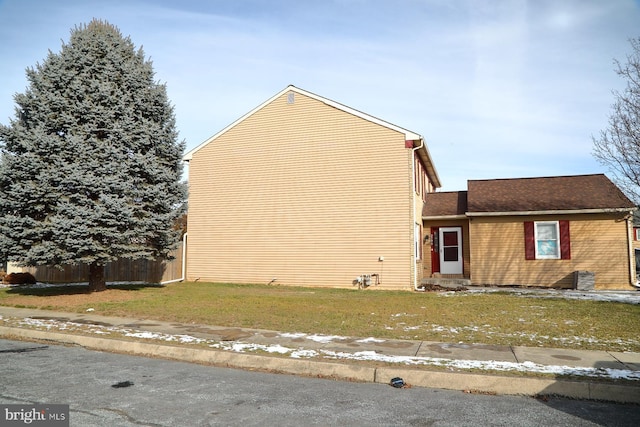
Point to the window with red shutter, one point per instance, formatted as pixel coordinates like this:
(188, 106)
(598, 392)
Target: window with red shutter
(547, 240)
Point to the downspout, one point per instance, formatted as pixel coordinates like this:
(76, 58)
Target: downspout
(632, 255)
(413, 214)
(184, 262)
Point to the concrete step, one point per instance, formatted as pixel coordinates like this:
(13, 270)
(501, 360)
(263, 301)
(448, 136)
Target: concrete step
(445, 282)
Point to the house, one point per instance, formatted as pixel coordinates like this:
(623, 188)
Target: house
(303, 190)
(549, 231)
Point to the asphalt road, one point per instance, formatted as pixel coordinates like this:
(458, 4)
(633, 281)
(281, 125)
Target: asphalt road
(167, 393)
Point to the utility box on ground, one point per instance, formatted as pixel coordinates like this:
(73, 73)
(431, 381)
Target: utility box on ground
(584, 280)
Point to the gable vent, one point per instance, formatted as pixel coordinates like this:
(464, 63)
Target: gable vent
(291, 98)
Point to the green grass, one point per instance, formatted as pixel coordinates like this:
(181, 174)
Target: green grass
(496, 318)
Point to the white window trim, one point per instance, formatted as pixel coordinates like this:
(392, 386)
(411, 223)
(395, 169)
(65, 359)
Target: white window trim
(535, 239)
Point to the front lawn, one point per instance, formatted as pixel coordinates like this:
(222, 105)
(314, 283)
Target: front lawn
(489, 318)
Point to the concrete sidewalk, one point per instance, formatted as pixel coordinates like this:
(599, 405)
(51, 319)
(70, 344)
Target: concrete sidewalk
(230, 346)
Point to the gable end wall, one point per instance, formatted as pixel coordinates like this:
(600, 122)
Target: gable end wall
(304, 193)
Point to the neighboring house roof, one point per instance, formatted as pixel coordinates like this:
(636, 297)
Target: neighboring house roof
(409, 135)
(445, 204)
(526, 196)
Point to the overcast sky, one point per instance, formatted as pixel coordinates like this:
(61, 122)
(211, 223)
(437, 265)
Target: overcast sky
(498, 88)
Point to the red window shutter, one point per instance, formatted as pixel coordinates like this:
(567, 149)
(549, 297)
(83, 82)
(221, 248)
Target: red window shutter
(565, 240)
(529, 241)
(435, 254)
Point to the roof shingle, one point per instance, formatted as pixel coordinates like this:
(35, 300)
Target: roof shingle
(445, 204)
(558, 193)
(577, 192)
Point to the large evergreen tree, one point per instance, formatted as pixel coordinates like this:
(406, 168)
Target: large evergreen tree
(91, 164)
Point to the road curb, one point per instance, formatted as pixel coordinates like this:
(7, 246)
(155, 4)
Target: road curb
(496, 384)
(467, 382)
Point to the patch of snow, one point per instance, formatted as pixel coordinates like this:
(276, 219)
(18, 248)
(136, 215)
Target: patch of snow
(147, 335)
(242, 347)
(189, 339)
(324, 339)
(627, 297)
(303, 354)
(370, 339)
(292, 335)
(278, 349)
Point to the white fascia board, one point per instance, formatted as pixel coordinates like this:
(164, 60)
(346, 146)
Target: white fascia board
(431, 167)
(443, 217)
(550, 212)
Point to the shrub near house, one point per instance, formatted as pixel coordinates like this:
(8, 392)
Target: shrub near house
(18, 279)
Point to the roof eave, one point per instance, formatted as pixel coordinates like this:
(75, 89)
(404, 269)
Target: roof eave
(431, 168)
(442, 217)
(552, 212)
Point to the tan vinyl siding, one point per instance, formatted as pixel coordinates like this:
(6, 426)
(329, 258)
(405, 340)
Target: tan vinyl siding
(304, 193)
(598, 244)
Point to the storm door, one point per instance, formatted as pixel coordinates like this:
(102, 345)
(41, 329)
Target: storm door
(450, 239)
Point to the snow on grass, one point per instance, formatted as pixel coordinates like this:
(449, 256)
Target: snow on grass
(240, 347)
(185, 339)
(370, 340)
(324, 339)
(628, 297)
(537, 339)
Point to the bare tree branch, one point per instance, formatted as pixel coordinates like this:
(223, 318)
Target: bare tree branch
(618, 146)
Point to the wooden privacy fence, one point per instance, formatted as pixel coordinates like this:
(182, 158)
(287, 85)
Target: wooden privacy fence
(122, 270)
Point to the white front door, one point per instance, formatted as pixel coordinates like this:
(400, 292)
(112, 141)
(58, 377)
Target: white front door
(450, 250)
